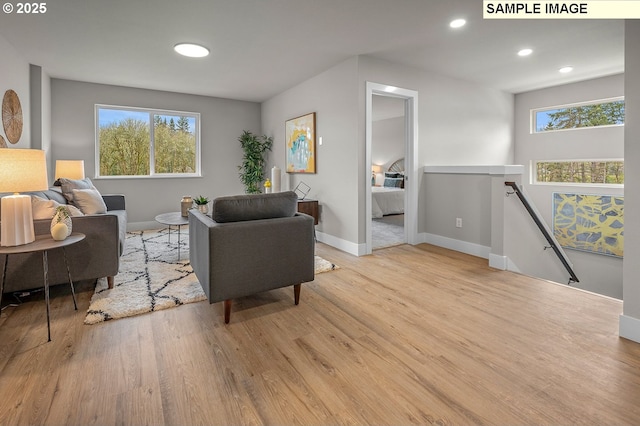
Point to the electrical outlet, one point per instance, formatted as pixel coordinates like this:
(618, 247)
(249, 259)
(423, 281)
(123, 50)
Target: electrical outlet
(458, 222)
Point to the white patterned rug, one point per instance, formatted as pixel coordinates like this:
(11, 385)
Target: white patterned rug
(152, 278)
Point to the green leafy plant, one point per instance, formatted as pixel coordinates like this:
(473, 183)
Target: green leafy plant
(62, 213)
(200, 200)
(253, 162)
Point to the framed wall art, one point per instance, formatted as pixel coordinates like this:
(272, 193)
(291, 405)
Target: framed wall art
(300, 135)
(592, 223)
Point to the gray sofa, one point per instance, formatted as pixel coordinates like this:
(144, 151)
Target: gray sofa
(251, 244)
(98, 255)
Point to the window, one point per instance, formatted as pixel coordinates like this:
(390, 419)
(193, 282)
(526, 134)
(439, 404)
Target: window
(604, 172)
(147, 143)
(608, 112)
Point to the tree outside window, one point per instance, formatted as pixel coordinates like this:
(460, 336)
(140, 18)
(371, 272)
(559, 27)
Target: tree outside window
(136, 142)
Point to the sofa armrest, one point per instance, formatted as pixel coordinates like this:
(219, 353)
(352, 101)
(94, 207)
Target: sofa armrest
(114, 201)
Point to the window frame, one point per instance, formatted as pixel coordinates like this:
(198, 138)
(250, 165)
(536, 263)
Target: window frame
(533, 178)
(151, 112)
(533, 115)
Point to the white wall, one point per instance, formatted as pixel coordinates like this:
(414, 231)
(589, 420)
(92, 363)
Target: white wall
(14, 75)
(222, 122)
(597, 273)
(630, 320)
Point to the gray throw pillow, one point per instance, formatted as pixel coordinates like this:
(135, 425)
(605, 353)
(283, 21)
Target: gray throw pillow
(68, 185)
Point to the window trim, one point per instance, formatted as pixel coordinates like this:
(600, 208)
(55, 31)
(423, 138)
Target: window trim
(533, 119)
(151, 112)
(533, 175)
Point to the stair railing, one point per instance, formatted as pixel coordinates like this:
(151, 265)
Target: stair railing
(552, 241)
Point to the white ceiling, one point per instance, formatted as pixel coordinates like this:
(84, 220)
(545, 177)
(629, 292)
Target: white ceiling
(262, 47)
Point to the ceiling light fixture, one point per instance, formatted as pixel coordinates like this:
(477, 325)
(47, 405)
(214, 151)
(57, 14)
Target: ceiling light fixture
(191, 50)
(457, 23)
(525, 52)
(565, 70)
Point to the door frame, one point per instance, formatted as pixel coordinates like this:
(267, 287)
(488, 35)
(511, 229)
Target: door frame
(410, 160)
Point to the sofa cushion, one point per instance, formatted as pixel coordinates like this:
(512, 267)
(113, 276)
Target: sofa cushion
(46, 209)
(89, 201)
(239, 208)
(68, 185)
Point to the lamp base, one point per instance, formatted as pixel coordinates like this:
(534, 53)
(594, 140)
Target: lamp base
(16, 227)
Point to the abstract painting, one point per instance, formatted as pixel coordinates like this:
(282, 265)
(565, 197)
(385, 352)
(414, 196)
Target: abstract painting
(592, 223)
(300, 134)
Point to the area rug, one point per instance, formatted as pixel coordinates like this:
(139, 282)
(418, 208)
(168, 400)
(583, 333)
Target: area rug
(152, 278)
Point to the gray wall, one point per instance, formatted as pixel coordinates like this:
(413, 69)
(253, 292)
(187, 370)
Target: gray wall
(460, 123)
(630, 322)
(597, 273)
(387, 143)
(332, 95)
(464, 196)
(222, 121)
(14, 75)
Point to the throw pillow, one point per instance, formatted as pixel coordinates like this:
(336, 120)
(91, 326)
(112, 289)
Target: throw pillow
(89, 201)
(393, 182)
(68, 185)
(45, 209)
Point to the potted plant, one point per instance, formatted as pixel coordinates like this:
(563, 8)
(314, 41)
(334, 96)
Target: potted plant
(253, 161)
(202, 203)
(61, 224)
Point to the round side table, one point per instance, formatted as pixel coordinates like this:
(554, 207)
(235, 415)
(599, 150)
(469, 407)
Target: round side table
(43, 243)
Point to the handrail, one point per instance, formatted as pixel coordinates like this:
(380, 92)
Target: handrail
(543, 229)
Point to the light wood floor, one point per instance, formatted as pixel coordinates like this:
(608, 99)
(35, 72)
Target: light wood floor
(408, 335)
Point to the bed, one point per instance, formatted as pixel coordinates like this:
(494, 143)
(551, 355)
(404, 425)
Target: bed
(389, 198)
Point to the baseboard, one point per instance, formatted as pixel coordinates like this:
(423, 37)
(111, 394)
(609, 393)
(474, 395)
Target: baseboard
(499, 262)
(340, 244)
(630, 328)
(457, 245)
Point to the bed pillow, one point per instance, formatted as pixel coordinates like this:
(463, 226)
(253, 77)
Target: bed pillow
(393, 182)
(89, 201)
(45, 209)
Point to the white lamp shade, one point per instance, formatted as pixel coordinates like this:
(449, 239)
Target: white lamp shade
(20, 170)
(23, 170)
(70, 169)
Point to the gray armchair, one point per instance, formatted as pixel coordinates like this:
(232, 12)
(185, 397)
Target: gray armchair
(251, 244)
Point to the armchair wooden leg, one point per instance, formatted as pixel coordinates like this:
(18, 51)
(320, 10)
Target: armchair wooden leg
(227, 311)
(296, 293)
(110, 282)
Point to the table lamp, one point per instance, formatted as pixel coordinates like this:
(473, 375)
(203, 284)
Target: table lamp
(70, 169)
(21, 170)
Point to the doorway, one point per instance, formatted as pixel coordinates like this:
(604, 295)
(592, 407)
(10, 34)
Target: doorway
(387, 168)
(408, 101)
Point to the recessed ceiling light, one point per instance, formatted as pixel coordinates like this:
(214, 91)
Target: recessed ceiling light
(457, 23)
(525, 52)
(191, 50)
(565, 70)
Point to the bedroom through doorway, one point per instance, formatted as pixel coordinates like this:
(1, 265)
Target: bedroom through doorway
(387, 171)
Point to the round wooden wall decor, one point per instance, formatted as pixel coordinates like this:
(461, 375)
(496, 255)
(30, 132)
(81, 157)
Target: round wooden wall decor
(12, 116)
(3, 144)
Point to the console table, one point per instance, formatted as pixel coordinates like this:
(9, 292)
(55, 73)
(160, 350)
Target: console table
(310, 207)
(43, 243)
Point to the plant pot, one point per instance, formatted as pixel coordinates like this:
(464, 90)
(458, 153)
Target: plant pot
(59, 218)
(203, 208)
